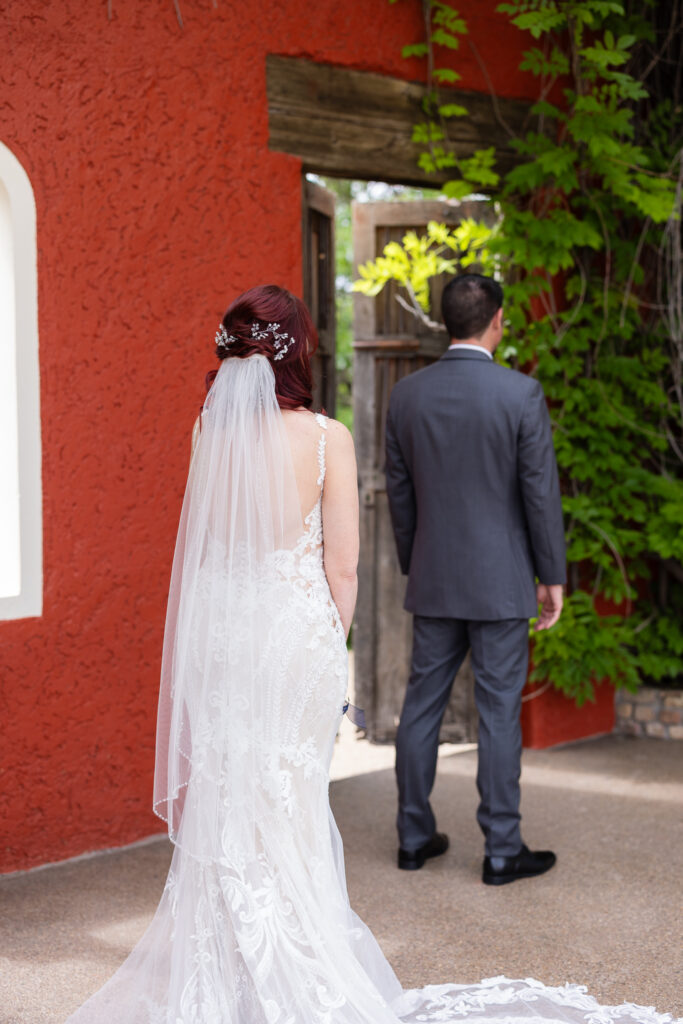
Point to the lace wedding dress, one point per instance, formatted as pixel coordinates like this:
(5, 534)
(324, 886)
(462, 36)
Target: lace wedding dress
(254, 925)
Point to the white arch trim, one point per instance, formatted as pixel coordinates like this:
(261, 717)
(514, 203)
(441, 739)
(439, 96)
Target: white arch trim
(22, 248)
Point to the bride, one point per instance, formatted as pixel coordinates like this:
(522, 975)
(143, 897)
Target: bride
(254, 924)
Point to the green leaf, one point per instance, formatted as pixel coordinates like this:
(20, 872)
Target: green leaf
(453, 110)
(457, 189)
(478, 169)
(415, 50)
(446, 75)
(545, 109)
(539, 63)
(445, 15)
(540, 21)
(442, 38)
(603, 58)
(427, 132)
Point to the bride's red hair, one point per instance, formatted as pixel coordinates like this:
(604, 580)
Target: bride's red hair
(270, 304)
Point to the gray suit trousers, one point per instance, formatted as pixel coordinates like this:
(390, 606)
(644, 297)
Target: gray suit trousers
(499, 659)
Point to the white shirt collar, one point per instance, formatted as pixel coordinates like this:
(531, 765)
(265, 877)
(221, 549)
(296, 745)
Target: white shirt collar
(474, 348)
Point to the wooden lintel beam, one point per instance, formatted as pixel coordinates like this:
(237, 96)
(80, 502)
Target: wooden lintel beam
(358, 124)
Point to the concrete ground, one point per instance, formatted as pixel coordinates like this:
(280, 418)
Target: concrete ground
(608, 915)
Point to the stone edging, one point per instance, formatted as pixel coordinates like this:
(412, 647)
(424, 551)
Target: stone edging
(650, 712)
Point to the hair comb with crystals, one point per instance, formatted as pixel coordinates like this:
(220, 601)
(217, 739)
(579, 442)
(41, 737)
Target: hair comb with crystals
(223, 339)
(281, 342)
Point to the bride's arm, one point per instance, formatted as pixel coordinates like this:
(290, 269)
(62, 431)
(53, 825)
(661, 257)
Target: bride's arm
(195, 436)
(340, 521)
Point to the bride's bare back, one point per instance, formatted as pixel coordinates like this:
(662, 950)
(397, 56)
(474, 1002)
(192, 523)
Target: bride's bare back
(339, 498)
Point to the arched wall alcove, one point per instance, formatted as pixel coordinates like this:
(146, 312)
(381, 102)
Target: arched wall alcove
(21, 527)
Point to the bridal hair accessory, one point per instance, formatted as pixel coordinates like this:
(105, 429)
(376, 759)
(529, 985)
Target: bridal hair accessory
(281, 342)
(223, 339)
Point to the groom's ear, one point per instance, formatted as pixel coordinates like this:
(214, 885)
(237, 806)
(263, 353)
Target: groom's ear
(497, 320)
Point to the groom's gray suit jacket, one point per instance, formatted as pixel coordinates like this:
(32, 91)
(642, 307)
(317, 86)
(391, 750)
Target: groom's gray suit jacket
(473, 489)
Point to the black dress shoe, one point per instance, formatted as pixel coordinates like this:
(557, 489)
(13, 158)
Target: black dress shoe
(437, 845)
(526, 864)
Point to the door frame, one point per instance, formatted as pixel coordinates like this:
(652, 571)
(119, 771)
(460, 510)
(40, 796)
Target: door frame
(316, 197)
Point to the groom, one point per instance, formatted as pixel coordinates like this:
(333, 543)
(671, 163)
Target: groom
(475, 506)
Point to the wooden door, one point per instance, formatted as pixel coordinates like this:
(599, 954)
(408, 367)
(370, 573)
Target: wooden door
(390, 343)
(318, 274)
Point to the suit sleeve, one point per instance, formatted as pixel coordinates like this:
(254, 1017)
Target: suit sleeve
(540, 489)
(401, 495)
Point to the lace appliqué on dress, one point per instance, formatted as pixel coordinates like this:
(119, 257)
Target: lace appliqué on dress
(322, 421)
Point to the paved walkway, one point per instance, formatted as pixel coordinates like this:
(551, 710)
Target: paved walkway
(608, 916)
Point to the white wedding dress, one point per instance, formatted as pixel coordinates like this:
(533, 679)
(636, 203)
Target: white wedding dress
(254, 925)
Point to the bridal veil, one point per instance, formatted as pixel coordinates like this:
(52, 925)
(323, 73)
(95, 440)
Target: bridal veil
(241, 506)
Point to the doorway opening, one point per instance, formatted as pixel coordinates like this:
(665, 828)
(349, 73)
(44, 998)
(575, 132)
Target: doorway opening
(346, 192)
(367, 344)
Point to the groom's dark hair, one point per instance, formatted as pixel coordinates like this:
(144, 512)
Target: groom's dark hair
(468, 305)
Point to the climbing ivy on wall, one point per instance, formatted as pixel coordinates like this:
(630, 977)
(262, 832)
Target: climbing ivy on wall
(587, 238)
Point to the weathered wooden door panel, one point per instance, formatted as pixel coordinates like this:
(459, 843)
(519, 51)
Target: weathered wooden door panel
(389, 344)
(318, 268)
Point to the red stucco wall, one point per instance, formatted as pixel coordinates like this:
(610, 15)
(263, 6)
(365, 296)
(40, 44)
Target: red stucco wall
(157, 202)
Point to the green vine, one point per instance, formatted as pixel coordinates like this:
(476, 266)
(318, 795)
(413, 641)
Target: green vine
(587, 236)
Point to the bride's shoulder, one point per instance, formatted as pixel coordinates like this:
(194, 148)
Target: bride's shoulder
(337, 433)
(310, 422)
(339, 443)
